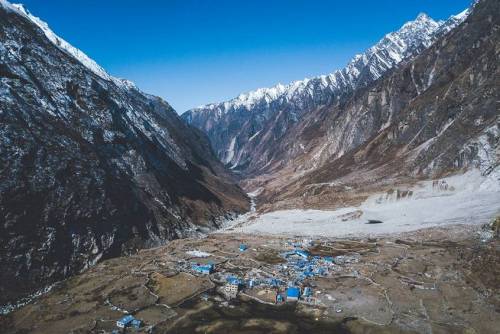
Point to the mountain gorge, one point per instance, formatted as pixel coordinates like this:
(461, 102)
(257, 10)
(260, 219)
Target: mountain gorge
(91, 167)
(362, 201)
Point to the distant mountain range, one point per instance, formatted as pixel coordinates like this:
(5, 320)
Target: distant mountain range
(244, 129)
(421, 103)
(90, 166)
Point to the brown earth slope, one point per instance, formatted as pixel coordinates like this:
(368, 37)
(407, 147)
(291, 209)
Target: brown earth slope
(433, 115)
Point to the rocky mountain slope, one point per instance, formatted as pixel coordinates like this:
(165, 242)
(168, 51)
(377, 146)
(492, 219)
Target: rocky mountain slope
(435, 114)
(245, 130)
(90, 166)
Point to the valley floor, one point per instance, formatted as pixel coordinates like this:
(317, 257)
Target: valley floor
(461, 199)
(416, 259)
(435, 280)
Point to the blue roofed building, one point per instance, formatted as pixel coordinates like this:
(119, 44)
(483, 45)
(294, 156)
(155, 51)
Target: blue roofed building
(125, 321)
(303, 253)
(136, 323)
(328, 259)
(203, 268)
(234, 280)
(300, 264)
(320, 271)
(274, 282)
(243, 247)
(292, 294)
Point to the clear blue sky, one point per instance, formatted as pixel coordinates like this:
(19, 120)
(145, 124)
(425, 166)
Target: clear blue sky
(193, 52)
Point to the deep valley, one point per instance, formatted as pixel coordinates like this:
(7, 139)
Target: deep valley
(366, 200)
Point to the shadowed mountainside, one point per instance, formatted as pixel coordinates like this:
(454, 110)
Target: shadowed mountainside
(91, 167)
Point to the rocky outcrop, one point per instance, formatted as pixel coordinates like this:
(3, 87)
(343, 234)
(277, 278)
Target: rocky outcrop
(90, 167)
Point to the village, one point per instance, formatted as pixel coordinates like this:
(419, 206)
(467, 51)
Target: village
(276, 277)
(284, 282)
(225, 283)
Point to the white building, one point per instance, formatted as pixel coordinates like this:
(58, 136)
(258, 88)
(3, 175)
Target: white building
(231, 290)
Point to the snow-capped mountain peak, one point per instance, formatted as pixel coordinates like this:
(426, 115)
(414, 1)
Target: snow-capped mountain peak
(64, 45)
(453, 21)
(259, 118)
(363, 68)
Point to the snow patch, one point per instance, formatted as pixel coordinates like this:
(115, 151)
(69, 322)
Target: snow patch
(197, 253)
(230, 151)
(65, 46)
(254, 135)
(469, 198)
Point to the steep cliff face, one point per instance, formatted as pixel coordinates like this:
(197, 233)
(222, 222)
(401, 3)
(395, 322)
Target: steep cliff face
(245, 131)
(90, 166)
(436, 113)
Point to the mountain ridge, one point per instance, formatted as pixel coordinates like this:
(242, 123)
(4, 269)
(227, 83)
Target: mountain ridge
(91, 167)
(434, 115)
(239, 126)
(65, 46)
